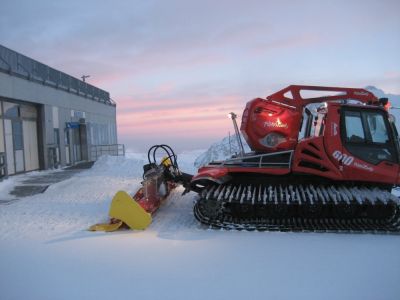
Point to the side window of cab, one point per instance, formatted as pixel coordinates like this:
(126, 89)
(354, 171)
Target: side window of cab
(366, 135)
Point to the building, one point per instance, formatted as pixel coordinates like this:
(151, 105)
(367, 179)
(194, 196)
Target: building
(50, 119)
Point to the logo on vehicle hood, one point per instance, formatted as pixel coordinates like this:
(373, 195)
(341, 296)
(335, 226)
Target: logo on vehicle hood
(361, 93)
(276, 124)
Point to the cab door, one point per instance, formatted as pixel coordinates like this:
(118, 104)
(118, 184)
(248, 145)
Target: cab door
(332, 137)
(369, 149)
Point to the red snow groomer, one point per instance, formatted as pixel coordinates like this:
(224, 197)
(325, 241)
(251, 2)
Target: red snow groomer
(325, 163)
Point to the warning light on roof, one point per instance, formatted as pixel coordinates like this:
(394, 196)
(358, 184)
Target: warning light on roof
(387, 106)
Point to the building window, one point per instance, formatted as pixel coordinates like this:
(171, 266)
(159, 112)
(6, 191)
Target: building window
(11, 110)
(55, 117)
(28, 112)
(56, 136)
(17, 135)
(66, 136)
(78, 114)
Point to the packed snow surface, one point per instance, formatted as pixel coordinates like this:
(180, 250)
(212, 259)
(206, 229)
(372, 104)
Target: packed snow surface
(46, 252)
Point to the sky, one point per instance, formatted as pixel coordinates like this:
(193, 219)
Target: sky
(177, 68)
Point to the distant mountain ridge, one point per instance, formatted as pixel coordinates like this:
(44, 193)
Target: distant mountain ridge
(228, 146)
(394, 100)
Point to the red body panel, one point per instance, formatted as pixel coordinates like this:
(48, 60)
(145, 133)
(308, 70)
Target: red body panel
(320, 155)
(281, 113)
(149, 195)
(211, 173)
(262, 117)
(311, 152)
(358, 170)
(332, 140)
(217, 173)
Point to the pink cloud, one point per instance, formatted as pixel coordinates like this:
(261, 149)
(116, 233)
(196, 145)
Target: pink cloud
(186, 120)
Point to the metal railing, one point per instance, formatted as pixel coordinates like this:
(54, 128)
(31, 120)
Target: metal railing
(19, 65)
(277, 159)
(114, 150)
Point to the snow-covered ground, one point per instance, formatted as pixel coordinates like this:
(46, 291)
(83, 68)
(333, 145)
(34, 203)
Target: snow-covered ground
(221, 150)
(46, 252)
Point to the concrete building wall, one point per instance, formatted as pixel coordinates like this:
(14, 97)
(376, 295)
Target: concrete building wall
(57, 108)
(25, 90)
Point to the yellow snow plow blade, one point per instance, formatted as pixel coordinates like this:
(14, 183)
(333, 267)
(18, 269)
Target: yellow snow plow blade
(125, 209)
(107, 227)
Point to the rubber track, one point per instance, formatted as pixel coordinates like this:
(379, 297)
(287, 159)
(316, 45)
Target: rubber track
(221, 219)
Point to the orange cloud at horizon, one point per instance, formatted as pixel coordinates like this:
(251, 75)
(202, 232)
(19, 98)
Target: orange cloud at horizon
(180, 122)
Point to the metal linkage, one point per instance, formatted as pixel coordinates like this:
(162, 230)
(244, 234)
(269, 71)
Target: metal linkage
(304, 208)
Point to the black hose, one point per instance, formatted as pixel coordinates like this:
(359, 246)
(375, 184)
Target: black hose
(176, 175)
(151, 155)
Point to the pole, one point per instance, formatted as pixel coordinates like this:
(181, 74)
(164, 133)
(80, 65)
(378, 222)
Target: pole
(239, 140)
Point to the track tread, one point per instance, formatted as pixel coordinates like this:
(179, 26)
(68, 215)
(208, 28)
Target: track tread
(320, 197)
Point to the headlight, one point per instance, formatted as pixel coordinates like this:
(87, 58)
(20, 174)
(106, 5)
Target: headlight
(272, 140)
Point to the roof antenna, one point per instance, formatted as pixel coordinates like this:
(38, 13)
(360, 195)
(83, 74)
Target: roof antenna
(84, 77)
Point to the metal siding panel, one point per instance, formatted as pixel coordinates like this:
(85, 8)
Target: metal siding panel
(9, 147)
(30, 145)
(19, 161)
(2, 149)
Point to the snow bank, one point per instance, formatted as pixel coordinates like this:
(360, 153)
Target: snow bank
(71, 205)
(186, 160)
(118, 166)
(221, 150)
(6, 186)
(394, 100)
